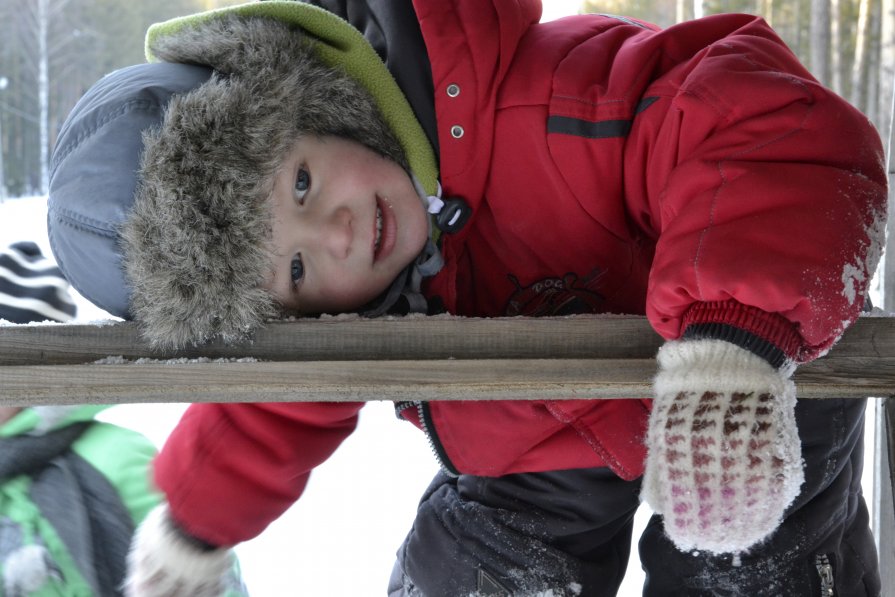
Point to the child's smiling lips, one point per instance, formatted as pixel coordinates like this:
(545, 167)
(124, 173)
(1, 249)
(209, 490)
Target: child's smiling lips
(384, 233)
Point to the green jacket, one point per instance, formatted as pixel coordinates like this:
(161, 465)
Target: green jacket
(72, 490)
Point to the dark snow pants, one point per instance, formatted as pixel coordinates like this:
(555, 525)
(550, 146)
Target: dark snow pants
(568, 533)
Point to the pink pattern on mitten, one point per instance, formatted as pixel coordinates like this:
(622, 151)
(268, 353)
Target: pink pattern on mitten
(724, 458)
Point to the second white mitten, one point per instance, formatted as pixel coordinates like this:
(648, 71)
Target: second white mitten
(164, 563)
(724, 456)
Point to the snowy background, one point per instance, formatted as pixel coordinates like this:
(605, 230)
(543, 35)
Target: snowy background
(339, 540)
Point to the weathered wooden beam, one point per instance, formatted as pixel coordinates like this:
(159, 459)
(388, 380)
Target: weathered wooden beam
(420, 358)
(353, 339)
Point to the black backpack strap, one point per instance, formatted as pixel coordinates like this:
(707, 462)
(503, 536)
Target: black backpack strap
(90, 518)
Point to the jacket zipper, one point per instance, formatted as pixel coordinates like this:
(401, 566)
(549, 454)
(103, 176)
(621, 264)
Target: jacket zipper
(825, 570)
(403, 405)
(422, 409)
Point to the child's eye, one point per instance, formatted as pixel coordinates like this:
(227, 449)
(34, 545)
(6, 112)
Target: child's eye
(302, 185)
(297, 270)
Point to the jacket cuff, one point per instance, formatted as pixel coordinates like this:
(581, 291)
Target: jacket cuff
(767, 335)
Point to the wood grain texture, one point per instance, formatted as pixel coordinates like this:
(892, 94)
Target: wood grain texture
(415, 358)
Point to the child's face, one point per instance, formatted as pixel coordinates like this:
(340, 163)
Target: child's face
(346, 222)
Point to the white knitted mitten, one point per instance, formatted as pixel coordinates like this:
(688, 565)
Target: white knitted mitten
(164, 563)
(724, 457)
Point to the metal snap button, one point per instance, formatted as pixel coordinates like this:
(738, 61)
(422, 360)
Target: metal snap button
(457, 131)
(453, 90)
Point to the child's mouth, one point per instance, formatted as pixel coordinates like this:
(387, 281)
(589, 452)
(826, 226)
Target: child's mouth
(378, 239)
(384, 229)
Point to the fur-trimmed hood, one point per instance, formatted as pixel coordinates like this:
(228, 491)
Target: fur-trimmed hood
(193, 241)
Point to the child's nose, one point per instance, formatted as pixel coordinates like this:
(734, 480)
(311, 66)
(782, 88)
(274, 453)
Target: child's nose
(335, 234)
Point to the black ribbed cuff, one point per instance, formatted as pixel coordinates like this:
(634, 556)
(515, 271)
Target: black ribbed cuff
(754, 344)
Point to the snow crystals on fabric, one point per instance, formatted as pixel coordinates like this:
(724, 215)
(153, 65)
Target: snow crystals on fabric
(855, 272)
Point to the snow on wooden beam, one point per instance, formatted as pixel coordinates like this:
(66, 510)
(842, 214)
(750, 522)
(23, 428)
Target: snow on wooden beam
(410, 358)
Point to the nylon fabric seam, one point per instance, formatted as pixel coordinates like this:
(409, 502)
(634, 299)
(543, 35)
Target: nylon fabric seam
(588, 438)
(140, 104)
(720, 166)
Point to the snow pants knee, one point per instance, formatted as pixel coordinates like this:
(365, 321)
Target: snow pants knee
(568, 533)
(561, 533)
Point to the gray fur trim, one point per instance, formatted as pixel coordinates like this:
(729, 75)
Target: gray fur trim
(195, 242)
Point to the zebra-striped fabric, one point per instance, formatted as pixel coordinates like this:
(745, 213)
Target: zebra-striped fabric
(31, 287)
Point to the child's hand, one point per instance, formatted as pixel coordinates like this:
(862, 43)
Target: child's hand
(724, 453)
(163, 562)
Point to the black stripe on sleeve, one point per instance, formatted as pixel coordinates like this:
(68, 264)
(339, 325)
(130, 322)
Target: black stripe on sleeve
(604, 129)
(601, 129)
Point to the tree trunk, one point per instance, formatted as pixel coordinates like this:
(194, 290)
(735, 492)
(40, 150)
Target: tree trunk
(862, 36)
(43, 93)
(886, 74)
(884, 124)
(820, 39)
(765, 8)
(698, 9)
(836, 43)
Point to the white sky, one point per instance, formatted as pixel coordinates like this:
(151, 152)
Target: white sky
(553, 9)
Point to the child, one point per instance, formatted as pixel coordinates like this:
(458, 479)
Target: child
(270, 162)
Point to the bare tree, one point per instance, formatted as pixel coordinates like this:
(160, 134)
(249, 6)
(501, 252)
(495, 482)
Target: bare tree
(681, 13)
(886, 72)
(862, 41)
(836, 44)
(35, 34)
(820, 39)
(765, 9)
(698, 9)
(43, 92)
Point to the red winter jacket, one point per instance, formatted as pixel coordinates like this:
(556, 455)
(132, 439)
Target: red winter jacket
(697, 175)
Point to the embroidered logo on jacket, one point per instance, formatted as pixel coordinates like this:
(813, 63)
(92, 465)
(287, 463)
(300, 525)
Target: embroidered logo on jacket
(568, 295)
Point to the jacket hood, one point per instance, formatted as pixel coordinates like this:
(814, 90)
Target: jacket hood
(94, 174)
(194, 238)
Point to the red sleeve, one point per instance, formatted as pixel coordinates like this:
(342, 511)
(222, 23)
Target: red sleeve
(767, 194)
(229, 470)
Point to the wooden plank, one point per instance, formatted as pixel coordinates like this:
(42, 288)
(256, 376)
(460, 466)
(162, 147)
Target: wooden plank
(452, 359)
(456, 379)
(483, 379)
(342, 338)
(401, 338)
